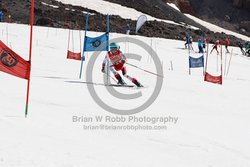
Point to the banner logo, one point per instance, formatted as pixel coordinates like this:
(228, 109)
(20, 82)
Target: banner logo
(8, 59)
(96, 43)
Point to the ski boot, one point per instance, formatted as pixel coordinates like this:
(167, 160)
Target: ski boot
(138, 84)
(120, 80)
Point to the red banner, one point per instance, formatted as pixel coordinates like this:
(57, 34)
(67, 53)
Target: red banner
(72, 55)
(12, 63)
(213, 79)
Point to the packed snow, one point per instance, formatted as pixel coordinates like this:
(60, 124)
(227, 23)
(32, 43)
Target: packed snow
(207, 123)
(53, 6)
(173, 6)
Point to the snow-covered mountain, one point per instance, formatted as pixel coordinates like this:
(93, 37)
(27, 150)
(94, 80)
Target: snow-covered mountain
(190, 123)
(163, 20)
(230, 14)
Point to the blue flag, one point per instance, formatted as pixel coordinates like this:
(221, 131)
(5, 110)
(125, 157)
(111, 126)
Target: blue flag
(92, 44)
(196, 62)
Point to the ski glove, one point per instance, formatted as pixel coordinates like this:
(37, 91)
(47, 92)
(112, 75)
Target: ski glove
(123, 61)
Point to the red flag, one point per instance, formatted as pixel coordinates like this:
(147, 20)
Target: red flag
(213, 79)
(12, 63)
(72, 55)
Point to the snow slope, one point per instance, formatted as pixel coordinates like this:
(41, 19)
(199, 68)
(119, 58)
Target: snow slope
(211, 131)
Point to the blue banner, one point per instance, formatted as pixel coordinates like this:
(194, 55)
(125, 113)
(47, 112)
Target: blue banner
(196, 62)
(93, 44)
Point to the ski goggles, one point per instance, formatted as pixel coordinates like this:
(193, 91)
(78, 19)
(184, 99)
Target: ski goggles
(114, 49)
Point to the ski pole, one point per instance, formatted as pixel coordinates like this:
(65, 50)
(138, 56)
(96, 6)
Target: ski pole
(225, 64)
(110, 76)
(145, 70)
(229, 61)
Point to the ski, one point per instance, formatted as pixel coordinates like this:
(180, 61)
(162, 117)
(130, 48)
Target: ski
(126, 86)
(116, 85)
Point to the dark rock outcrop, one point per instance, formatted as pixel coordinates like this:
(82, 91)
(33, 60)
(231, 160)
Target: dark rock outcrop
(242, 4)
(225, 13)
(245, 25)
(57, 14)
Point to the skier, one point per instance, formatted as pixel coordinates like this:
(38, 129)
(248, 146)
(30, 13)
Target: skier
(247, 48)
(189, 42)
(117, 62)
(127, 29)
(227, 43)
(200, 46)
(240, 45)
(215, 46)
(204, 43)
